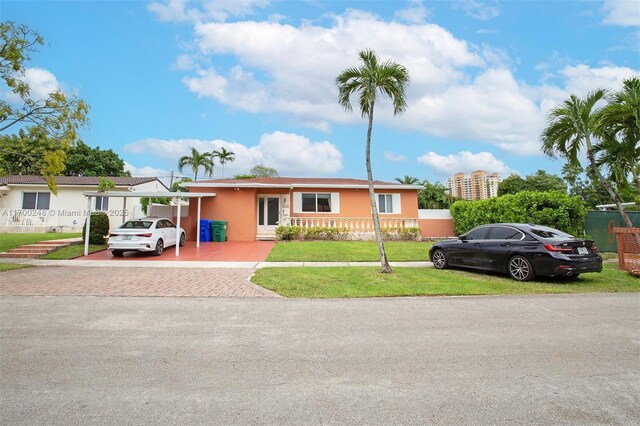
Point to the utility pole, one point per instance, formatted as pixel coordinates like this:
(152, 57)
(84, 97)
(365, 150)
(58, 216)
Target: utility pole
(171, 181)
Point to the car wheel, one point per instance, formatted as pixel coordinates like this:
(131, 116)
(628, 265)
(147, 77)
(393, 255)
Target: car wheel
(520, 269)
(117, 253)
(182, 239)
(159, 248)
(439, 259)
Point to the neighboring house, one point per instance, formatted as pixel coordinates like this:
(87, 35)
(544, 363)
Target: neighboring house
(254, 207)
(27, 204)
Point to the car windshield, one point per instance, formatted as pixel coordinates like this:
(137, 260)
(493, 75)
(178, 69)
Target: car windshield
(550, 234)
(137, 224)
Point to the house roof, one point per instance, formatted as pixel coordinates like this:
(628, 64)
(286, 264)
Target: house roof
(73, 180)
(289, 182)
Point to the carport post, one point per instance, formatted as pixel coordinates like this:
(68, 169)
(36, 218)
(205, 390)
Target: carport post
(124, 209)
(87, 227)
(198, 224)
(178, 225)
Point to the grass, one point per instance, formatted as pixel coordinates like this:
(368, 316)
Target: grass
(347, 251)
(74, 250)
(12, 266)
(367, 282)
(11, 241)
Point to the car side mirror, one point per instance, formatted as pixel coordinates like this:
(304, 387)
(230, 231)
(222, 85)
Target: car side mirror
(463, 238)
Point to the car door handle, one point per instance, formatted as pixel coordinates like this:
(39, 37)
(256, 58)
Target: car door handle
(506, 245)
(476, 244)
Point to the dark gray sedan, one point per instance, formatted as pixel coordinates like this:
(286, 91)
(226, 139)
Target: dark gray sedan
(523, 251)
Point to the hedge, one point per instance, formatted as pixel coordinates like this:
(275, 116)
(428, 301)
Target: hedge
(553, 209)
(288, 233)
(99, 228)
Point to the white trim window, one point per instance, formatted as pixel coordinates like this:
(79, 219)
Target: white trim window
(388, 203)
(102, 204)
(36, 200)
(312, 202)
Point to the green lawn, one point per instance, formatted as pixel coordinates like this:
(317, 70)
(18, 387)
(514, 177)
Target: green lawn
(11, 266)
(11, 241)
(72, 251)
(367, 282)
(347, 251)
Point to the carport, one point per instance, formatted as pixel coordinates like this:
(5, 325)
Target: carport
(125, 195)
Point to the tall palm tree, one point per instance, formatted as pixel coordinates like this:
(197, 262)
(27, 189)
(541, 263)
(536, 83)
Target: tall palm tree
(388, 78)
(195, 161)
(571, 127)
(223, 156)
(408, 180)
(621, 118)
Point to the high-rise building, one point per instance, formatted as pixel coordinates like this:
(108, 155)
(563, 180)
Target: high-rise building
(478, 185)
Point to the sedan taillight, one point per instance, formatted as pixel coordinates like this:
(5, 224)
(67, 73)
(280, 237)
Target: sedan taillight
(148, 235)
(594, 248)
(558, 249)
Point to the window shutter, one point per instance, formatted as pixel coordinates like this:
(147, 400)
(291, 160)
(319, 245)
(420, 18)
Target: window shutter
(335, 202)
(395, 198)
(297, 202)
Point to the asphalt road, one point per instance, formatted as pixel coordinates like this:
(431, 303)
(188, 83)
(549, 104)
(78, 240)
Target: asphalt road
(121, 360)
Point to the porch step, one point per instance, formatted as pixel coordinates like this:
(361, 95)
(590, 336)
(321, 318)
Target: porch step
(266, 237)
(36, 250)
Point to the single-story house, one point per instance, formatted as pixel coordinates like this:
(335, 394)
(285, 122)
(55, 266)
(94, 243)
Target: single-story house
(254, 208)
(27, 204)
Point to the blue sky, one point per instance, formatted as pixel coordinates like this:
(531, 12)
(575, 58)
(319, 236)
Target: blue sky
(257, 77)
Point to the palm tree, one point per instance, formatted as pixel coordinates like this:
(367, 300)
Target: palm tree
(195, 161)
(223, 156)
(408, 180)
(621, 120)
(571, 127)
(388, 78)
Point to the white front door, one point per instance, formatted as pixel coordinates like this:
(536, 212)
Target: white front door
(268, 213)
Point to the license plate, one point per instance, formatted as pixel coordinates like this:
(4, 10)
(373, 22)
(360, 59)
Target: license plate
(126, 237)
(583, 250)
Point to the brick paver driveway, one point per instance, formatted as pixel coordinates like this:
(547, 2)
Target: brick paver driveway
(134, 281)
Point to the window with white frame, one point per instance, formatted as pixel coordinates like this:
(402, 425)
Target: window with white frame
(102, 204)
(311, 202)
(388, 203)
(36, 200)
(316, 203)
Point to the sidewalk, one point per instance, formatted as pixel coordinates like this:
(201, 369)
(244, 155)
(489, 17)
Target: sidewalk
(191, 264)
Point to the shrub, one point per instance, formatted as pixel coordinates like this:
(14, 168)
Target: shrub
(403, 234)
(553, 209)
(288, 233)
(99, 228)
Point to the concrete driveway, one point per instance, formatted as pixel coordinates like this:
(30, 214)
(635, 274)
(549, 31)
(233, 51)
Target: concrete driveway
(457, 360)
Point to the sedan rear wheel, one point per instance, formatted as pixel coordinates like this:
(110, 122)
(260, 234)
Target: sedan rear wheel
(159, 248)
(520, 269)
(439, 259)
(182, 239)
(117, 253)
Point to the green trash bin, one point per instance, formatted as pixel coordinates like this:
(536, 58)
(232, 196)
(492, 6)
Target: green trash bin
(218, 231)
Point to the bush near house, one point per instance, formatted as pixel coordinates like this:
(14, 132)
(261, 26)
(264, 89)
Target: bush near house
(554, 209)
(289, 233)
(99, 228)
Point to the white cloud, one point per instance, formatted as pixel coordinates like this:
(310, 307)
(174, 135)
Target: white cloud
(621, 12)
(414, 13)
(457, 90)
(464, 162)
(483, 10)
(393, 157)
(289, 153)
(217, 10)
(582, 79)
(145, 171)
(41, 83)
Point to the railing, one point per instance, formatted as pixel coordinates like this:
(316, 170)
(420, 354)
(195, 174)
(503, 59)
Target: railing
(352, 224)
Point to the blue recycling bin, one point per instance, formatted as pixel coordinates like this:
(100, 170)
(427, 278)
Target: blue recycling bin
(205, 230)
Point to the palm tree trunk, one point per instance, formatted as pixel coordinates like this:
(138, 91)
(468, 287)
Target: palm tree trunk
(616, 199)
(385, 267)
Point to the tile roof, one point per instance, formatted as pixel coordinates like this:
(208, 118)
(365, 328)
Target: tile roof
(298, 181)
(73, 180)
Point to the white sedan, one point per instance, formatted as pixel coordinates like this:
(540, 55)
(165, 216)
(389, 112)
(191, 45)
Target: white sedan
(150, 234)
